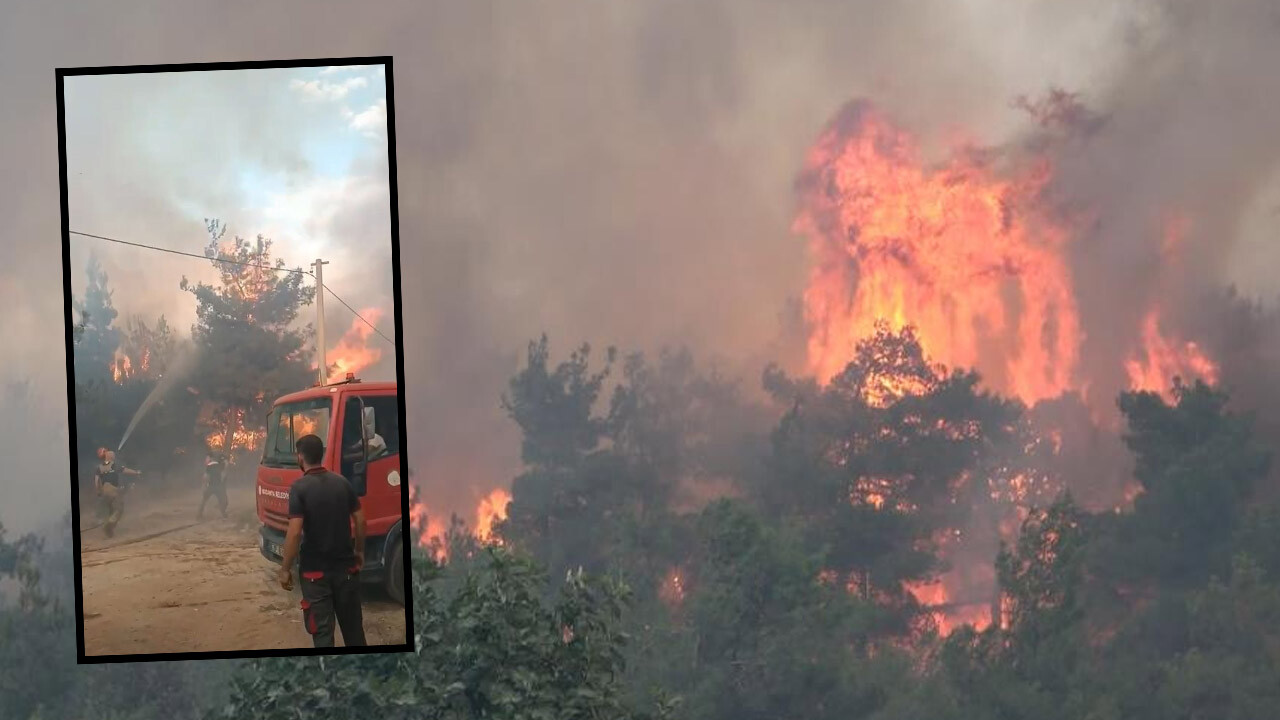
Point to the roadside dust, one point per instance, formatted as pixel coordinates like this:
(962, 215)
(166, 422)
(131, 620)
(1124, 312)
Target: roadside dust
(168, 583)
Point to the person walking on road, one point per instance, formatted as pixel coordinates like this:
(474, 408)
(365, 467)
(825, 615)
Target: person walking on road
(323, 509)
(215, 484)
(108, 480)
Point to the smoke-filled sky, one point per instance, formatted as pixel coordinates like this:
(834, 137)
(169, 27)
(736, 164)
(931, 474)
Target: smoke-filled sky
(620, 173)
(297, 155)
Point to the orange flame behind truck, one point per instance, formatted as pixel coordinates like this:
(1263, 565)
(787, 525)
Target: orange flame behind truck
(359, 423)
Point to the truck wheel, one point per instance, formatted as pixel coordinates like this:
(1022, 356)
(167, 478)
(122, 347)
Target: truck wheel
(394, 565)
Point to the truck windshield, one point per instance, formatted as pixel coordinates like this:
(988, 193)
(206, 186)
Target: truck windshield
(287, 423)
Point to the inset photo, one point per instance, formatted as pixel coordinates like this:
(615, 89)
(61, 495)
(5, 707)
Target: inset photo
(234, 369)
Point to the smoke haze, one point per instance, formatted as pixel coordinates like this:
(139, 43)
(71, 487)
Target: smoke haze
(622, 173)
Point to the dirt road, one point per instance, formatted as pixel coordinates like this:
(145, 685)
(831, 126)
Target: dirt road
(167, 583)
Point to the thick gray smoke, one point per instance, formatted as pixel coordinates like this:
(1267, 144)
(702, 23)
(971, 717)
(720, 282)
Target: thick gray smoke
(1187, 131)
(621, 172)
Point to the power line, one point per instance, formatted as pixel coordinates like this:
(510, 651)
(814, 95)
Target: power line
(193, 255)
(353, 312)
(237, 262)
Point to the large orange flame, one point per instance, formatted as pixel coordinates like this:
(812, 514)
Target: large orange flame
(972, 256)
(1161, 358)
(967, 254)
(936, 598)
(432, 528)
(491, 510)
(957, 252)
(354, 353)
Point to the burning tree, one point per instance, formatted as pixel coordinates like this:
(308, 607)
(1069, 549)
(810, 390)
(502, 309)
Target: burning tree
(902, 468)
(144, 350)
(249, 349)
(147, 354)
(116, 368)
(974, 253)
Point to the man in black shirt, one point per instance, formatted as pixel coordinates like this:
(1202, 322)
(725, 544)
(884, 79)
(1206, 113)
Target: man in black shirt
(215, 484)
(323, 507)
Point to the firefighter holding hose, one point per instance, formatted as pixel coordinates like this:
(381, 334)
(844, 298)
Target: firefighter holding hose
(108, 480)
(215, 483)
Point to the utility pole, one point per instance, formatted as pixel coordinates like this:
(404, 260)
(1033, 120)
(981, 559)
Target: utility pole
(321, 365)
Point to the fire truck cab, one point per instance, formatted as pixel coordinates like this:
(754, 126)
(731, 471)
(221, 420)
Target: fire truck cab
(359, 423)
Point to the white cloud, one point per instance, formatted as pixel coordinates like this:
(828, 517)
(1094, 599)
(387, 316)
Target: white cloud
(345, 220)
(323, 90)
(310, 209)
(372, 122)
(333, 69)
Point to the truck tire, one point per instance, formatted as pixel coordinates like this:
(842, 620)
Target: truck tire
(394, 565)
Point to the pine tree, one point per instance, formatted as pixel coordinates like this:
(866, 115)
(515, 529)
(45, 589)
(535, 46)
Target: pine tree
(98, 337)
(249, 348)
(97, 341)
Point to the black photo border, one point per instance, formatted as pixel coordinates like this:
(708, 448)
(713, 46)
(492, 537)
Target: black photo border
(406, 531)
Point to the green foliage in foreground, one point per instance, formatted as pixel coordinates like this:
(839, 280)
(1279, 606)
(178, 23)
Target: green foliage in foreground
(493, 648)
(1169, 611)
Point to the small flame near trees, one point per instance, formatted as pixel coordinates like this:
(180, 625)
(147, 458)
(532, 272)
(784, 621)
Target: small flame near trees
(231, 435)
(672, 589)
(434, 535)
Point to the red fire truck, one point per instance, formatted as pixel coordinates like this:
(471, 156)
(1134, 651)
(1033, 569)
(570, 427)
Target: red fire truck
(359, 423)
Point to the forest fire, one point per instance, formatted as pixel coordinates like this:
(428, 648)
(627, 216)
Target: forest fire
(1160, 359)
(354, 353)
(672, 589)
(433, 530)
(124, 368)
(962, 255)
(946, 612)
(121, 368)
(972, 256)
(230, 434)
(142, 351)
(247, 287)
(491, 510)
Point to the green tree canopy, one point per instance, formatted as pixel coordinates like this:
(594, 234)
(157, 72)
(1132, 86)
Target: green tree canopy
(1198, 464)
(250, 350)
(894, 456)
(99, 338)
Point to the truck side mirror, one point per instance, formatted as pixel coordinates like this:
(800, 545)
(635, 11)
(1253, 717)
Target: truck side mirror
(360, 478)
(365, 414)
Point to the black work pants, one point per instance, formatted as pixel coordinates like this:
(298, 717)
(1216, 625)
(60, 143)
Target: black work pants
(217, 491)
(328, 596)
